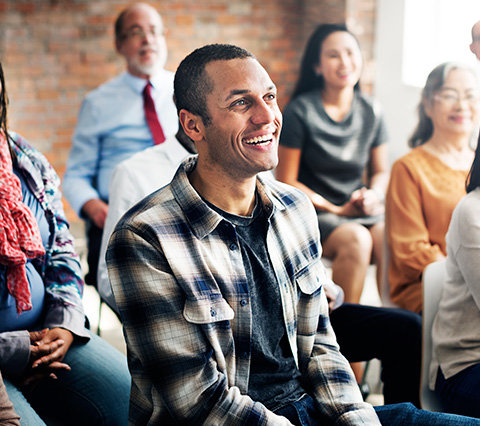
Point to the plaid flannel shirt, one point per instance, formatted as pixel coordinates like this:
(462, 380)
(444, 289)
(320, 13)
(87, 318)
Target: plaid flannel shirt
(179, 282)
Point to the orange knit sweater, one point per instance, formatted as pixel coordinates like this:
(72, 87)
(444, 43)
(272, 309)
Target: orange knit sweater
(422, 193)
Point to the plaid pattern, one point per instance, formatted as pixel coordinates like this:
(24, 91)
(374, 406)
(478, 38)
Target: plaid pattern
(179, 282)
(60, 267)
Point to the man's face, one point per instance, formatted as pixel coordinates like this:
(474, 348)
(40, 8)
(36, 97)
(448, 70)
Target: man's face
(143, 43)
(475, 46)
(242, 137)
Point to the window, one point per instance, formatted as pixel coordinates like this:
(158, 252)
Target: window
(436, 31)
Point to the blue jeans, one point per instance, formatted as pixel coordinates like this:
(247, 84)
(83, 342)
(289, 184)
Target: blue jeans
(305, 413)
(460, 394)
(95, 392)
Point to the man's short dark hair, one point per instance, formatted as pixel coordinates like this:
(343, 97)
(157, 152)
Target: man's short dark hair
(192, 85)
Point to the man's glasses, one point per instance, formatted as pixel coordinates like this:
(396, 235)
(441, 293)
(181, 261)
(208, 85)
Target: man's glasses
(140, 34)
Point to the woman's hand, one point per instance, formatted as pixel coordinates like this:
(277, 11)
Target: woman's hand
(47, 350)
(367, 201)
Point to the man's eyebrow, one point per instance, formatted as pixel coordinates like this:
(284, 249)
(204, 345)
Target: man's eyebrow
(245, 91)
(236, 92)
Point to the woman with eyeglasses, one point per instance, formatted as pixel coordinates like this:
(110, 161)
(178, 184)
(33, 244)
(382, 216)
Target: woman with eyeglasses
(427, 183)
(333, 148)
(55, 370)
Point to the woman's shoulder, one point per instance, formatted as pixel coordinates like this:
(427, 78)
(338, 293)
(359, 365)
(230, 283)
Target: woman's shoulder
(412, 158)
(303, 101)
(369, 103)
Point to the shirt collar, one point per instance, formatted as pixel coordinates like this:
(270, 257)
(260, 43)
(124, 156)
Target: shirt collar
(201, 217)
(137, 84)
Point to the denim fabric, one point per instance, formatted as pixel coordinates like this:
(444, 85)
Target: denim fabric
(304, 413)
(95, 392)
(460, 394)
(407, 414)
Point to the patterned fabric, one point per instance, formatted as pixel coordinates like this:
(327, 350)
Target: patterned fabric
(60, 267)
(19, 234)
(181, 288)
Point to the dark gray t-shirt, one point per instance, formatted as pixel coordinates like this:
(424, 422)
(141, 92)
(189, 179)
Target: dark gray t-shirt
(334, 154)
(274, 376)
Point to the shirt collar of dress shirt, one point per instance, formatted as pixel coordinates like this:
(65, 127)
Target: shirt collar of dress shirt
(138, 84)
(201, 217)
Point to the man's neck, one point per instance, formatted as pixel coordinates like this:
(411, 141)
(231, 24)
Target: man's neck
(233, 196)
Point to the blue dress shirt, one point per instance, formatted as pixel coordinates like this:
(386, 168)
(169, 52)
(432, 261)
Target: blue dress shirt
(111, 127)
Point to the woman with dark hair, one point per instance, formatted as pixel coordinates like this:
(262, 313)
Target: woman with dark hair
(333, 147)
(427, 183)
(55, 370)
(455, 367)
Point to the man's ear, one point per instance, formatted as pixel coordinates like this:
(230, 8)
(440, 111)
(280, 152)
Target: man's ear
(192, 125)
(118, 45)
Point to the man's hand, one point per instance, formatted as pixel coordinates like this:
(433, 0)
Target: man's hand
(47, 350)
(96, 210)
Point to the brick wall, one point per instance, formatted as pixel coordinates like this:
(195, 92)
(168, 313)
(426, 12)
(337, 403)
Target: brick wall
(55, 51)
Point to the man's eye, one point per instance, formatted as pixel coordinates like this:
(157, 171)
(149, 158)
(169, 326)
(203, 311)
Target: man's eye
(240, 102)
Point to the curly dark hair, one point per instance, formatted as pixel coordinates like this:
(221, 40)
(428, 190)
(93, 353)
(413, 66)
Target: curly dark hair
(192, 85)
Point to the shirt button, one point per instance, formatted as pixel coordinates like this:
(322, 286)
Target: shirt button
(243, 302)
(213, 312)
(233, 246)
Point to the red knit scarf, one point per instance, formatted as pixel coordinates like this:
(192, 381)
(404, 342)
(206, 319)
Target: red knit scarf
(19, 233)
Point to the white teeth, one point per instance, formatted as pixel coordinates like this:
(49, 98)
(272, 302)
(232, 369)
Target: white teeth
(258, 139)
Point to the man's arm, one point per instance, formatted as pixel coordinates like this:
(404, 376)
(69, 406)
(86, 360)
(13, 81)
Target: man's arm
(332, 381)
(83, 160)
(124, 192)
(179, 359)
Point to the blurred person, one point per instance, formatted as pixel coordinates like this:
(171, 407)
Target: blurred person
(455, 367)
(53, 367)
(333, 148)
(132, 112)
(475, 44)
(427, 183)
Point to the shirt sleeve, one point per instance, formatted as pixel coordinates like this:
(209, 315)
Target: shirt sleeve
(8, 417)
(407, 233)
(14, 351)
(63, 278)
(83, 159)
(381, 134)
(169, 356)
(122, 190)
(293, 128)
(468, 252)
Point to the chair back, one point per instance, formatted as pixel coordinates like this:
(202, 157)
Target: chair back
(385, 285)
(433, 281)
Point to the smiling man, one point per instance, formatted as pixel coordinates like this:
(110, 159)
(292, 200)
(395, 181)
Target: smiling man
(218, 277)
(132, 112)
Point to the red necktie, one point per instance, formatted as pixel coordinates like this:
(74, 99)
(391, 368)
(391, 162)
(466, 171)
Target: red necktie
(151, 116)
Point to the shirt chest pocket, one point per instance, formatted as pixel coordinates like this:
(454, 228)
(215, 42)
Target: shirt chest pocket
(311, 278)
(207, 311)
